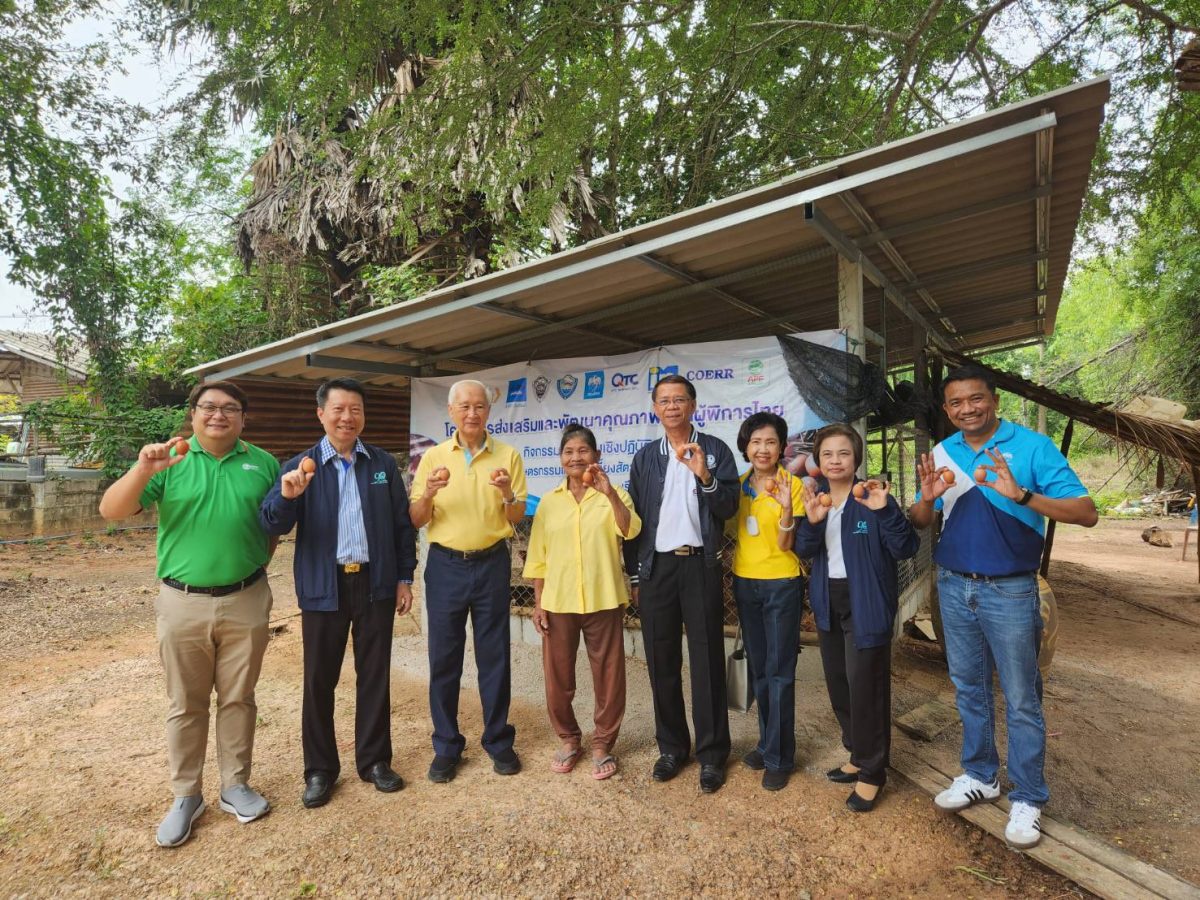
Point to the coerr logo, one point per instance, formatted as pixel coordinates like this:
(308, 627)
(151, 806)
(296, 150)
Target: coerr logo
(710, 375)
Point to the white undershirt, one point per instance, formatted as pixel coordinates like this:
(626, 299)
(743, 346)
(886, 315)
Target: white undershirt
(679, 514)
(833, 541)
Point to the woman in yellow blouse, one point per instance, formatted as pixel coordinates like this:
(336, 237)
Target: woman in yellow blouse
(769, 592)
(574, 560)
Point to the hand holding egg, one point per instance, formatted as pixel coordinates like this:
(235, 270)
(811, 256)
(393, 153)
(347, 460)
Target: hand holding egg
(437, 480)
(816, 506)
(157, 457)
(875, 494)
(932, 478)
(294, 483)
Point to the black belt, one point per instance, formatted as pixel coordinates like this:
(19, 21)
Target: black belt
(219, 591)
(975, 576)
(683, 551)
(471, 554)
(352, 568)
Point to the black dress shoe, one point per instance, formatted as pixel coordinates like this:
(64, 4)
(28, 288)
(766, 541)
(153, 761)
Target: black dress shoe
(384, 779)
(841, 776)
(861, 804)
(711, 778)
(506, 762)
(443, 769)
(317, 788)
(775, 779)
(754, 760)
(667, 767)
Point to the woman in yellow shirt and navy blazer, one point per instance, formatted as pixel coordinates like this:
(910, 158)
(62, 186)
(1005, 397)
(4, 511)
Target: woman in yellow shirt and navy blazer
(769, 591)
(574, 560)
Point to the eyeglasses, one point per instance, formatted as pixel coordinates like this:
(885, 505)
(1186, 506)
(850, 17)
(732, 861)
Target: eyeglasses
(210, 409)
(477, 408)
(672, 401)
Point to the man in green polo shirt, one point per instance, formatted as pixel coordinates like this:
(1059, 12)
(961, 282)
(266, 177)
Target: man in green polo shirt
(214, 601)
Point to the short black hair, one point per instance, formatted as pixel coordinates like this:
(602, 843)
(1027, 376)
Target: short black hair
(762, 420)
(673, 379)
(844, 430)
(227, 386)
(969, 372)
(340, 384)
(575, 430)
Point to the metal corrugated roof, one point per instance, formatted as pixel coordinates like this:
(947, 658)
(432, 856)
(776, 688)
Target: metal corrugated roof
(966, 230)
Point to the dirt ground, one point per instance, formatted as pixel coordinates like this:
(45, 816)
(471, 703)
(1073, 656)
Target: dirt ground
(83, 764)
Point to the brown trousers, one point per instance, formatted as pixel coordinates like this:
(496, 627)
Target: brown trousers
(208, 643)
(604, 636)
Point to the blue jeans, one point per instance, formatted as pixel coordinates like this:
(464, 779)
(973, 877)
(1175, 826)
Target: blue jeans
(769, 610)
(996, 624)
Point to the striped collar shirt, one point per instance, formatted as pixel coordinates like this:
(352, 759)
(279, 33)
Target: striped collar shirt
(352, 530)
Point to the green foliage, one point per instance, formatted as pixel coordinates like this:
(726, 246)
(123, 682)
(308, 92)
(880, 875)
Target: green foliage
(109, 437)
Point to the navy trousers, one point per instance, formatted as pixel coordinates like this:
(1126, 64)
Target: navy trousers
(455, 587)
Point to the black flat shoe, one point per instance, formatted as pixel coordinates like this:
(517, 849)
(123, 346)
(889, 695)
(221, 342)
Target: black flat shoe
(711, 778)
(443, 769)
(667, 767)
(840, 776)
(754, 760)
(775, 779)
(384, 779)
(317, 788)
(860, 804)
(506, 762)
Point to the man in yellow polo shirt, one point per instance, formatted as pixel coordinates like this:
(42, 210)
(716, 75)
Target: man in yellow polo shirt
(469, 491)
(214, 601)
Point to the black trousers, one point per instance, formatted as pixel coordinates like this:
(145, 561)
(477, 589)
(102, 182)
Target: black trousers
(685, 591)
(860, 689)
(325, 635)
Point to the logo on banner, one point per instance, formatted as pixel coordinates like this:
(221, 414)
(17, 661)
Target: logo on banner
(593, 385)
(517, 390)
(623, 381)
(710, 375)
(540, 385)
(757, 373)
(658, 373)
(566, 386)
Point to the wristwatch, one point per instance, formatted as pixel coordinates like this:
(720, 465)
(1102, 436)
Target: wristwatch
(1028, 495)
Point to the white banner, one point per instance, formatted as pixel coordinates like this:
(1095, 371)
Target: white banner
(532, 402)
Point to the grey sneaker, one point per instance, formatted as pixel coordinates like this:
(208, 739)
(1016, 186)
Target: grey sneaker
(177, 826)
(244, 802)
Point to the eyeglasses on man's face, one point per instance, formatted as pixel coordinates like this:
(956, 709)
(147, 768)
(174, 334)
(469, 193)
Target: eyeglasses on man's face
(666, 402)
(211, 409)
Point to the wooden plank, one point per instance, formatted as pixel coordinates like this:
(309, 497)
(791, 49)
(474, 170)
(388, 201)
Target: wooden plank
(928, 720)
(1073, 853)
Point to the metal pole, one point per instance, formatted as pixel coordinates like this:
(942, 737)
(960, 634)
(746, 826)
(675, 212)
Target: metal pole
(1066, 446)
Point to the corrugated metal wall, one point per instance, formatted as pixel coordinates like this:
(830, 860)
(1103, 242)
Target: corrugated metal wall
(283, 416)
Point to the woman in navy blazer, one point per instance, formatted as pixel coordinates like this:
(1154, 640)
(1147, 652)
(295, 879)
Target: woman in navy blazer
(854, 542)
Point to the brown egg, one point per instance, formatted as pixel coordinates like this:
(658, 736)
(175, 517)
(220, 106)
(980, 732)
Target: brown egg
(589, 477)
(770, 485)
(441, 473)
(496, 473)
(947, 476)
(981, 474)
(307, 465)
(182, 448)
(825, 500)
(859, 490)
(681, 454)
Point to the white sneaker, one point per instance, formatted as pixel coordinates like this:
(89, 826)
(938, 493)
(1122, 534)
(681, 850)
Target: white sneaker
(966, 791)
(1024, 826)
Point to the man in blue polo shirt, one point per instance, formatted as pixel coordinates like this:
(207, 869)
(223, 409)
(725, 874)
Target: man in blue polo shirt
(355, 556)
(1004, 481)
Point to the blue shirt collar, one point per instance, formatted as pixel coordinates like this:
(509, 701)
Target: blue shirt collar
(1004, 433)
(327, 451)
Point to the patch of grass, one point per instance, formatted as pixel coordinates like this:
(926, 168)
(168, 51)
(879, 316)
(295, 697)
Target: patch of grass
(306, 889)
(100, 858)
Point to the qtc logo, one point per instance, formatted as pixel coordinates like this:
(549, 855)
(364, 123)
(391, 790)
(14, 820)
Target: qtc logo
(658, 373)
(623, 381)
(593, 385)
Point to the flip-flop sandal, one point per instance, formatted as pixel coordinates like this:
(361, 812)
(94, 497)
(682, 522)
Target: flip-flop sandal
(598, 770)
(563, 763)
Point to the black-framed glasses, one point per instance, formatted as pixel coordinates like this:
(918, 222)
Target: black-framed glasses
(210, 409)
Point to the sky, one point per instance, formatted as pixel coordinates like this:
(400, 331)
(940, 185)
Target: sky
(144, 82)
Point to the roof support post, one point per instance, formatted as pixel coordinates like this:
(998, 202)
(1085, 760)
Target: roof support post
(850, 320)
(1065, 448)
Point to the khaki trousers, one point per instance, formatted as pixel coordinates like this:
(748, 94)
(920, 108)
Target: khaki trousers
(208, 642)
(604, 635)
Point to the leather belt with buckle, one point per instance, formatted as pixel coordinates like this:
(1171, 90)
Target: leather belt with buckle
(975, 576)
(351, 568)
(688, 551)
(470, 554)
(219, 591)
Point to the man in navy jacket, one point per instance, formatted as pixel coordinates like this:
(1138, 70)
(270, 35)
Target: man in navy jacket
(684, 486)
(355, 557)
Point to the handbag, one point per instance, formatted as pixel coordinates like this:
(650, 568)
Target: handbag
(737, 676)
